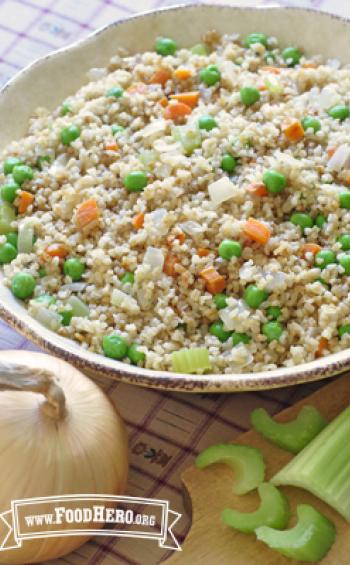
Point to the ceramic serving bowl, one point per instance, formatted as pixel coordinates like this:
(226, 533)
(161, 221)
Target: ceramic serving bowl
(51, 79)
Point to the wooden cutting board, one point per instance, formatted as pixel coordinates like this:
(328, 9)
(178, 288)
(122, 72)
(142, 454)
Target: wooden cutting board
(210, 542)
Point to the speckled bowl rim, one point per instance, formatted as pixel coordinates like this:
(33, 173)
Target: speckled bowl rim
(97, 365)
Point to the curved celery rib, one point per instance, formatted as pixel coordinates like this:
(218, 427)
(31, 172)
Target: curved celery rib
(190, 360)
(292, 436)
(247, 463)
(323, 467)
(309, 540)
(273, 511)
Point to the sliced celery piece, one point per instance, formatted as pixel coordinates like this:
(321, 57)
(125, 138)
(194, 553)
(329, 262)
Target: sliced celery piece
(7, 216)
(323, 467)
(189, 136)
(292, 436)
(79, 308)
(247, 463)
(190, 360)
(273, 511)
(309, 540)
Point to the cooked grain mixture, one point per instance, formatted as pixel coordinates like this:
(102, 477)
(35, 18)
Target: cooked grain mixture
(188, 209)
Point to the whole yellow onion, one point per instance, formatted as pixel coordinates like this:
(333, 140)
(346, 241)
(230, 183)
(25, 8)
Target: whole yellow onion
(59, 434)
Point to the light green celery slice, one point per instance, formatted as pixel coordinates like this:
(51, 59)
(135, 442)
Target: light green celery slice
(294, 435)
(273, 511)
(323, 467)
(190, 360)
(309, 540)
(7, 216)
(247, 463)
(79, 308)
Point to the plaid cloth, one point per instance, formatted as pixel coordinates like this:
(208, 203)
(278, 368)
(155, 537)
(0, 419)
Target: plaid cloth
(166, 431)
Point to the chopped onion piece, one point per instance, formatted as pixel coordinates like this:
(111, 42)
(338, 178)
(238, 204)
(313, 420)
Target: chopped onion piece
(79, 308)
(328, 97)
(155, 221)
(47, 318)
(231, 315)
(154, 258)
(147, 157)
(161, 146)
(340, 159)
(25, 238)
(124, 301)
(154, 129)
(221, 190)
(192, 229)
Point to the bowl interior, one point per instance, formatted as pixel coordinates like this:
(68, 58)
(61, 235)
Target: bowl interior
(51, 79)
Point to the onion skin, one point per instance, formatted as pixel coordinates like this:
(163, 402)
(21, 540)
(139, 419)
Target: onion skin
(83, 451)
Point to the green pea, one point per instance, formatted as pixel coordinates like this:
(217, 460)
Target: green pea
(309, 122)
(135, 355)
(274, 181)
(228, 163)
(238, 337)
(291, 55)
(10, 163)
(12, 237)
(210, 75)
(345, 329)
(344, 199)
(217, 329)
(22, 173)
(127, 278)
(46, 299)
(339, 112)
(74, 268)
(114, 346)
(272, 330)
(207, 122)
(42, 161)
(7, 253)
(65, 109)
(200, 49)
(254, 296)
(135, 181)
(9, 191)
(249, 95)
(344, 241)
(220, 301)
(273, 312)
(302, 220)
(254, 38)
(344, 261)
(165, 46)
(229, 248)
(116, 129)
(325, 257)
(320, 221)
(66, 316)
(115, 92)
(23, 285)
(69, 134)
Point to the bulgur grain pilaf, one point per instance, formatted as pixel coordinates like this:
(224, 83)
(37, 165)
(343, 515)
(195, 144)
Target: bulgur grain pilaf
(188, 209)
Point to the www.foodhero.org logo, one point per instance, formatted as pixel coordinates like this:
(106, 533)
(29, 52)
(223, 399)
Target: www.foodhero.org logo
(123, 516)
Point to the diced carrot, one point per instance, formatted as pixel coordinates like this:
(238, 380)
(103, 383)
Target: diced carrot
(188, 98)
(309, 66)
(170, 263)
(214, 282)
(322, 345)
(176, 111)
(257, 231)
(203, 252)
(257, 189)
(262, 87)
(180, 236)
(294, 131)
(163, 101)
(182, 73)
(111, 146)
(57, 250)
(310, 248)
(138, 220)
(25, 200)
(274, 70)
(160, 77)
(330, 152)
(137, 88)
(347, 180)
(87, 215)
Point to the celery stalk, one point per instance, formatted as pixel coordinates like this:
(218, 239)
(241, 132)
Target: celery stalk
(79, 308)
(323, 467)
(309, 540)
(7, 216)
(247, 463)
(292, 436)
(273, 511)
(190, 360)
